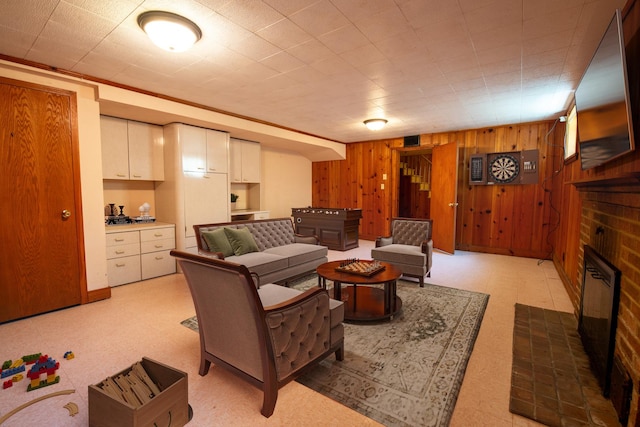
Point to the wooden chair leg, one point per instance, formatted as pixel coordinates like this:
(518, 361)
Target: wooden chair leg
(340, 353)
(269, 401)
(204, 365)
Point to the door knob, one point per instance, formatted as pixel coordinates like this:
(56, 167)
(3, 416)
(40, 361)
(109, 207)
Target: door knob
(453, 205)
(65, 214)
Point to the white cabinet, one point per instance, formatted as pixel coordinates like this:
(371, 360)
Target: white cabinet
(245, 161)
(146, 151)
(131, 150)
(204, 150)
(205, 199)
(139, 254)
(155, 246)
(190, 193)
(123, 258)
(261, 215)
(193, 143)
(217, 151)
(115, 148)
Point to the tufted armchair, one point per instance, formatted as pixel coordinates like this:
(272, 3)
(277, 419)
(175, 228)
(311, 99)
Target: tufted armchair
(409, 247)
(266, 336)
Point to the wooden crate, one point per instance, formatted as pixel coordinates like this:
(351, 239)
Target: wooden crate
(170, 407)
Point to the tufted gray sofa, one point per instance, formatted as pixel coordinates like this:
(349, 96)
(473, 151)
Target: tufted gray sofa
(409, 247)
(282, 254)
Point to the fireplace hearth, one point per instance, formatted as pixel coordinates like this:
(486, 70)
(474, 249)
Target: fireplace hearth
(599, 313)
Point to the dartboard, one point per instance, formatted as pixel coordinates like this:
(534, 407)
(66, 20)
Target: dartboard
(504, 168)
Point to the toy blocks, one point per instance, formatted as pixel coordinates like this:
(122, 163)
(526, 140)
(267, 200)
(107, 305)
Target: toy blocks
(31, 358)
(10, 368)
(44, 366)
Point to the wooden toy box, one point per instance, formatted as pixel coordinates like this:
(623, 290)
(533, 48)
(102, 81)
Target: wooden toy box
(170, 407)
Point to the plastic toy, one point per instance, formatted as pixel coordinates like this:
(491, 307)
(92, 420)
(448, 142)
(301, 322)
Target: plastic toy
(17, 378)
(47, 366)
(31, 358)
(7, 384)
(11, 371)
(69, 355)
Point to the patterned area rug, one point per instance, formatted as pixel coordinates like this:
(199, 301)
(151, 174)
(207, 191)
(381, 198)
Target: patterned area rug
(406, 372)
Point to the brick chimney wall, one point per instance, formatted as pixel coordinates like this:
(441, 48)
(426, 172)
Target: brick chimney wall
(611, 224)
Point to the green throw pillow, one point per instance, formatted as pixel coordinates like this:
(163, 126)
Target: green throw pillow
(241, 240)
(218, 242)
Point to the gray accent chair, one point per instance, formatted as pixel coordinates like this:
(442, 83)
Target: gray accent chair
(409, 247)
(266, 336)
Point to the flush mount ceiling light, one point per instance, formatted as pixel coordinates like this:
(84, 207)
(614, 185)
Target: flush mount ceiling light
(375, 124)
(169, 31)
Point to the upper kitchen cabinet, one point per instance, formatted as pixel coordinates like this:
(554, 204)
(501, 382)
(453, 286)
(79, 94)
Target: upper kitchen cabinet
(131, 150)
(217, 151)
(245, 161)
(146, 151)
(204, 150)
(115, 148)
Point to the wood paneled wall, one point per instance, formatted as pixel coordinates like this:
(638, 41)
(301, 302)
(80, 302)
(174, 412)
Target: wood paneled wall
(356, 183)
(508, 219)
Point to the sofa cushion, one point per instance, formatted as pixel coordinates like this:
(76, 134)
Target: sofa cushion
(217, 241)
(241, 240)
(260, 263)
(399, 254)
(271, 294)
(299, 253)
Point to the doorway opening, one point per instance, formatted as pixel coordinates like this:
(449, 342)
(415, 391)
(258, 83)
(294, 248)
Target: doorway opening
(414, 193)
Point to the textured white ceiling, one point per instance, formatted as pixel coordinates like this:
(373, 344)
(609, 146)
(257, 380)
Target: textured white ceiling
(324, 66)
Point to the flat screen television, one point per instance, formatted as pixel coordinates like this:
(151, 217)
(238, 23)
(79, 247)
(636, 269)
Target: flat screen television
(605, 128)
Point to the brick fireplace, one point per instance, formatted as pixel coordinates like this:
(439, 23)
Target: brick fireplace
(610, 223)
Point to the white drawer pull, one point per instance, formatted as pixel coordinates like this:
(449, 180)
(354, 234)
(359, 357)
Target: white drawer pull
(158, 258)
(121, 265)
(158, 235)
(119, 239)
(159, 246)
(120, 252)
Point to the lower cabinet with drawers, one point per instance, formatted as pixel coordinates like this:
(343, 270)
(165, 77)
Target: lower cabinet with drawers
(139, 251)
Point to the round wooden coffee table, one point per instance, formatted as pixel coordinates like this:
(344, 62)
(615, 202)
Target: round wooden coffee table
(363, 303)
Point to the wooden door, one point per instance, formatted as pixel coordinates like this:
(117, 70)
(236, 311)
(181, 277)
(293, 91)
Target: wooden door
(444, 196)
(41, 247)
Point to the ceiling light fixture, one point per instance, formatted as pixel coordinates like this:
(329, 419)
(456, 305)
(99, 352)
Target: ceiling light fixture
(169, 31)
(375, 124)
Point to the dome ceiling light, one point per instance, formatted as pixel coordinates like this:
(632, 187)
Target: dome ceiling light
(375, 124)
(169, 31)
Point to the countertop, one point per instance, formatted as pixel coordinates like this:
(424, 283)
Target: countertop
(117, 228)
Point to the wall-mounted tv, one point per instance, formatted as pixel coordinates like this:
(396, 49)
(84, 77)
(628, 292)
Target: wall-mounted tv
(605, 128)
